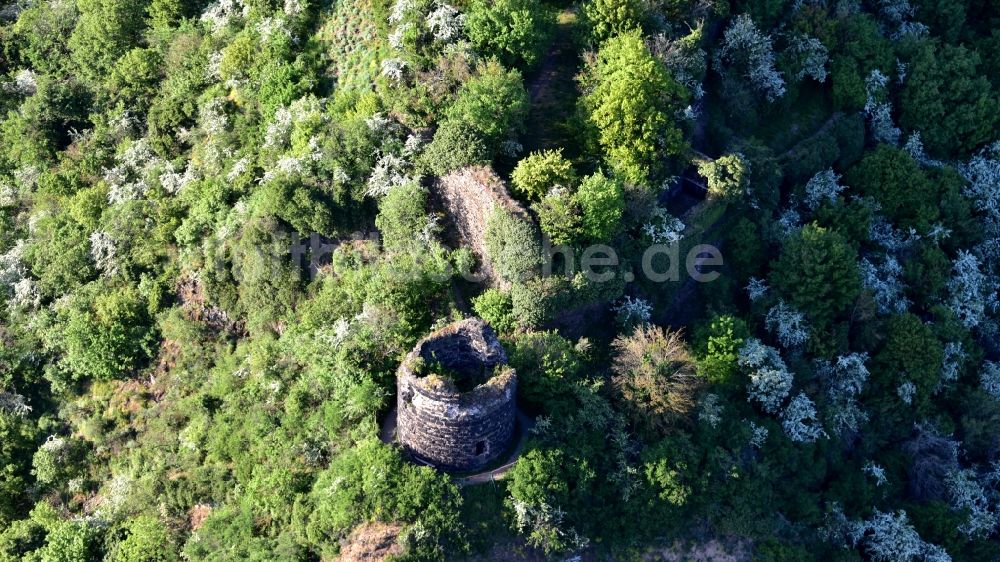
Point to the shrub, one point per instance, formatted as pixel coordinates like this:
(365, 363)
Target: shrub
(602, 201)
(539, 172)
(496, 308)
(512, 245)
(455, 145)
(107, 337)
(514, 31)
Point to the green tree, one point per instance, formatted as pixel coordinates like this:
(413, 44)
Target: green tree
(106, 30)
(902, 189)
(948, 99)
(744, 249)
(147, 540)
(18, 438)
(107, 335)
(861, 48)
(630, 103)
(539, 172)
(818, 272)
(495, 307)
(514, 31)
(402, 216)
(602, 201)
(42, 30)
(455, 145)
(911, 354)
(493, 104)
(559, 216)
(539, 486)
(72, 541)
(135, 78)
(722, 339)
(727, 176)
(608, 18)
(547, 365)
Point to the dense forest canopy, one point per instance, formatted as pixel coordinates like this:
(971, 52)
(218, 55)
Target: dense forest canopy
(221, 229)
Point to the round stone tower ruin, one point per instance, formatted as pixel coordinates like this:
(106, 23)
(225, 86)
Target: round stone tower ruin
(456, 398)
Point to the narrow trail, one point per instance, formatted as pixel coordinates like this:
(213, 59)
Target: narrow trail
(821, 130)
(525, 424)
(552, 90)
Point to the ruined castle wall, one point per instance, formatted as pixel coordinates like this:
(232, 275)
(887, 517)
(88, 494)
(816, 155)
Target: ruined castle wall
(469, 197)
(455, 430)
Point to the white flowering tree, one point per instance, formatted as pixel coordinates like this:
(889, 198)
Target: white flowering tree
(632, 312)
(789, 222)
(24, 83)
(788, 325)
(844, 380)
(915, 148)
(972, 293)
(951, 363)
(770, 380)
(756, 289)
(104, 252)
(394, 69)
(877, 472)
(710, 410)
(13, 404)
(219, 15)
(799, 420)
(879, 110)
(891, 239)
(16, 285)
(906, 391)
(758, 435)
(885, 283)
(664, 228)
(129, 178)
(966, 495)
(982, 172)
(823, 187)
(989, 378)
(889, 537)
(895, 17)
(746, 48)
(811, 56)
(685, 59)
(445, 22)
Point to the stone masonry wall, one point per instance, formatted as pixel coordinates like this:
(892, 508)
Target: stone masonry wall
(469, 197)
(454, 430)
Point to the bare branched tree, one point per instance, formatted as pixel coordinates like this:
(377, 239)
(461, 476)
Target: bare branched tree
(654, 377)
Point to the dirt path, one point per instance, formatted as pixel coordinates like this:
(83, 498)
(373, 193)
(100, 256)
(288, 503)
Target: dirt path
(525, 423)
(821, 130)
(552, 90)
(387, 434)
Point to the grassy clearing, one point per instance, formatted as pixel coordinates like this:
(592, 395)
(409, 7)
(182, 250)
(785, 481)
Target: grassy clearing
(355, 48)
